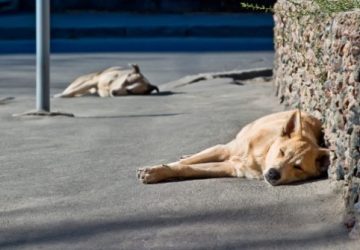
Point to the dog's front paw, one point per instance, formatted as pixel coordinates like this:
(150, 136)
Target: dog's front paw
(154, 174)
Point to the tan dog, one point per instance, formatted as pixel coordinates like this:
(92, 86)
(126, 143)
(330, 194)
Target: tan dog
(282, 148)
(114, 81)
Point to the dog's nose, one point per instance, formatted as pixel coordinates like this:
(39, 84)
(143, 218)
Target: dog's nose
(113, 93)
(272, 175)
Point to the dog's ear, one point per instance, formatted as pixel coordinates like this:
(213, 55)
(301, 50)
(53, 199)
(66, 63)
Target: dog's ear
(323, 160)
(132, 78)
(136, 68)
(293, 124)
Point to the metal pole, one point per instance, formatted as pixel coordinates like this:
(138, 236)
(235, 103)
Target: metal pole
(43, 62)
(42, 55)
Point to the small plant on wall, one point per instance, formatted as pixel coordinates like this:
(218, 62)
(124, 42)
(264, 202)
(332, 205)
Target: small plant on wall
(326, 6)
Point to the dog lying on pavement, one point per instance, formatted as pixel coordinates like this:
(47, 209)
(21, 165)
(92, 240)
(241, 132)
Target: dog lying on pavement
(114, 81)
(281, 148)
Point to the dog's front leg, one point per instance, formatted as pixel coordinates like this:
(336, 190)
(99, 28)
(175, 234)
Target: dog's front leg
(218, 153)
(177, 170)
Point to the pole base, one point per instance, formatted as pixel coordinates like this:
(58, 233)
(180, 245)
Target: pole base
(44, 113)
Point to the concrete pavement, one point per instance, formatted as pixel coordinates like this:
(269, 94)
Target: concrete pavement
(69, 183)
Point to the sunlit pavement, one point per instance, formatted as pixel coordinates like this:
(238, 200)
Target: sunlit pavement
(69, 183)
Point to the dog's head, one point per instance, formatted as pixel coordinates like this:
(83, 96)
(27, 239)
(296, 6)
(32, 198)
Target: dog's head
(133, 83)
(294, 157)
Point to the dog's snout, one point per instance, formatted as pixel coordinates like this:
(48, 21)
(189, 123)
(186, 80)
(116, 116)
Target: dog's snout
(272, 175)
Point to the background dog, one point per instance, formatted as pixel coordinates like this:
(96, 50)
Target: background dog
(281, 148)
(114, 81)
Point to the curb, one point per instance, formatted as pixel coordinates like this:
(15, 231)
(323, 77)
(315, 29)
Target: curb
(234, 74)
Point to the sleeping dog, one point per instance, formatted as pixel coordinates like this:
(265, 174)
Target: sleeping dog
(114, 81)
(280, 148)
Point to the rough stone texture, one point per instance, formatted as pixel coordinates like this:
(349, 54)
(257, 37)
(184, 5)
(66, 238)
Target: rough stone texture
(317, 65)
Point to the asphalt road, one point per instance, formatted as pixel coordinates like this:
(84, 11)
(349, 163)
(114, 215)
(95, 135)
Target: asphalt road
(109, 32)
(153, 44)
(69, 183)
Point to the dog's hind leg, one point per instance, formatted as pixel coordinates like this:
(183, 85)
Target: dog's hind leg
(81, 89)
(217, 153)
(177, 170)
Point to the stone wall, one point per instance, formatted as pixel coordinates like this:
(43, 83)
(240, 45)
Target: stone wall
(317, 65)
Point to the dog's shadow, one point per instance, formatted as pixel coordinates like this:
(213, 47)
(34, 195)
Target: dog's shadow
(127, 116)
(298, 183)
(161, 93)
(179, 179)
(167, 93)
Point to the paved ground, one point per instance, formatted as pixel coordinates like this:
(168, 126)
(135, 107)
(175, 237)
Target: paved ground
(167, 44)
(69, 183)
